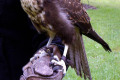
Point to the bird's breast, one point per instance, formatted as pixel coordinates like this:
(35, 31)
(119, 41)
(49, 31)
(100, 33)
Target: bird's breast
(34, 9)
(31, 6)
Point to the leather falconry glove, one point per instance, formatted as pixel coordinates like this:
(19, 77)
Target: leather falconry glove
(39, 67)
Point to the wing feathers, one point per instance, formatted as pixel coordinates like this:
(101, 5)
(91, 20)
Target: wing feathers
(79, 59)
(75, 10)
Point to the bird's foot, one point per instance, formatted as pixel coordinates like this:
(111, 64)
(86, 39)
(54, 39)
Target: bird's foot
(49, 51)
(58, 65)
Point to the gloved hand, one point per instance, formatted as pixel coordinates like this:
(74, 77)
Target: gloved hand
(38, 67)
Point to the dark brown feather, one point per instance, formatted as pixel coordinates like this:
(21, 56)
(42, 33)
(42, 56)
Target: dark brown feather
(78, 56)
(75, 10)
(59, 21)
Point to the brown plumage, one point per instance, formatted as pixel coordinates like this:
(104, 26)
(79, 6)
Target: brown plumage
(68, 20)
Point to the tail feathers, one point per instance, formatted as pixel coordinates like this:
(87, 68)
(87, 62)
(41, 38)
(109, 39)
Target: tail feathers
(93, 35)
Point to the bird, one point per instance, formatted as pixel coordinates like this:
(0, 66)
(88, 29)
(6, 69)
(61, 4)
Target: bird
(66, 19)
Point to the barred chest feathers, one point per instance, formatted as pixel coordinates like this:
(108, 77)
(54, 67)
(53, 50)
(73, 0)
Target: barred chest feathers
(34, 9)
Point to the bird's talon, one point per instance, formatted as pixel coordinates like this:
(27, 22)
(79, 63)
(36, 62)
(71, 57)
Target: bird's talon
(59, 65)
(57, 68)
(54, 58)
(48, 50)
(51, 64)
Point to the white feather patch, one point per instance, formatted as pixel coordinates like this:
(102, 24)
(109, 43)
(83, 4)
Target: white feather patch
(50, 27)
(42, 15)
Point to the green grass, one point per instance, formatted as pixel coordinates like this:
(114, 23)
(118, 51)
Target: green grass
(106, 22)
